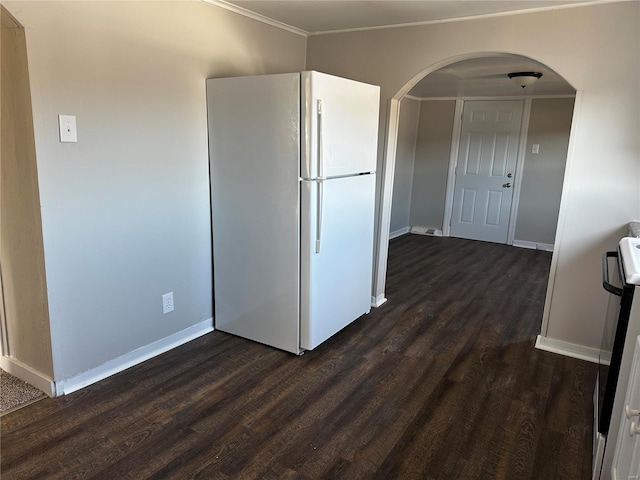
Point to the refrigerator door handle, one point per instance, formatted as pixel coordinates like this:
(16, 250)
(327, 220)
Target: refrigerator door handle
(320, 142)
(320, 179)
(319, 203)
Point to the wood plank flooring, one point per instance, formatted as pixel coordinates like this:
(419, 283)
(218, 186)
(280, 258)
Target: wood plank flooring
(441, 382)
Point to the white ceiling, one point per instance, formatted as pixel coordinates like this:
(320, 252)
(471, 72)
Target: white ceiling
(485, 76)
(319, 16)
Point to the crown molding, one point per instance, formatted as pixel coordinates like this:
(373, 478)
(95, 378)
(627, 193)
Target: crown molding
(298, 31)
(470, 17)
(256, 16)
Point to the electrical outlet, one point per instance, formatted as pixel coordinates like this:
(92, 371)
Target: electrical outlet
(167, 303)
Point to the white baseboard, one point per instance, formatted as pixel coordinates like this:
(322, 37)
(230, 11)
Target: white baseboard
(399, 232)
(64, 387)
(431, 231)
(377, 301)
(547, 247)
(27, 374)
(568, 349)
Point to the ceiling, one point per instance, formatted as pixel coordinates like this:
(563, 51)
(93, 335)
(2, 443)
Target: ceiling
(487, 76)
(484, 76)
(323, 16)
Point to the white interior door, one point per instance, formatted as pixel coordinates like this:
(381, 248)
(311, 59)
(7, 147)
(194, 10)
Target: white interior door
(485, 170)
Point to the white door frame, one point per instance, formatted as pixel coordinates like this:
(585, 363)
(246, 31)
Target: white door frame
(453, 160)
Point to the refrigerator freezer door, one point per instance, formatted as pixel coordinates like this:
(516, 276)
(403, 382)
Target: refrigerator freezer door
(254, 142)
(341, 126)
(336, 281)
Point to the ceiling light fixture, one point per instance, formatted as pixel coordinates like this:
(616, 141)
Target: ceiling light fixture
(524, 79)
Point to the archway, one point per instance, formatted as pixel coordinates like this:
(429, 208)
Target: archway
(389, 164)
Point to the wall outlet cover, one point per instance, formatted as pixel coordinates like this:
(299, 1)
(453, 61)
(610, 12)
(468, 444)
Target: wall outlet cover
(167, 303)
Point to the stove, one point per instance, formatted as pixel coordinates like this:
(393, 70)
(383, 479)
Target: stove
(620, 275)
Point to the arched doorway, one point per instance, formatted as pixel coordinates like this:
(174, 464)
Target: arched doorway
(477, 76)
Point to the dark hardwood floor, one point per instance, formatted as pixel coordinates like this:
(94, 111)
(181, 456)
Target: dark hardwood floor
(441, 382)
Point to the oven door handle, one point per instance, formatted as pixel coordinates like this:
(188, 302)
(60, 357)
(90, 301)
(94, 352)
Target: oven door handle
(605, 274)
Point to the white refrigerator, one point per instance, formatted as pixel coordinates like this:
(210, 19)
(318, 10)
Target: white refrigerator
(292, 163)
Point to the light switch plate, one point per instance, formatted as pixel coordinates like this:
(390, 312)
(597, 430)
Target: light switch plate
(68, 132)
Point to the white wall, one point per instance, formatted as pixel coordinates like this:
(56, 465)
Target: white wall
(125, 211)
(543, 173)
(595, 48)
(405, 153)
(433, 151)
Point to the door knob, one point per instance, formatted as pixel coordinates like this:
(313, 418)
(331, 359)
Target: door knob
(634, 429)
(509, 175)
(506, 185)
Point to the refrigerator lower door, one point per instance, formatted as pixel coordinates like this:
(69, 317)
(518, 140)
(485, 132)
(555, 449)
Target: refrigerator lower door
(337, 218)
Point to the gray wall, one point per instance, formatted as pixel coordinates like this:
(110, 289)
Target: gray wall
(125, 211)
(543, 173)
(595, 48)
(405, 153)
(433, 151)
